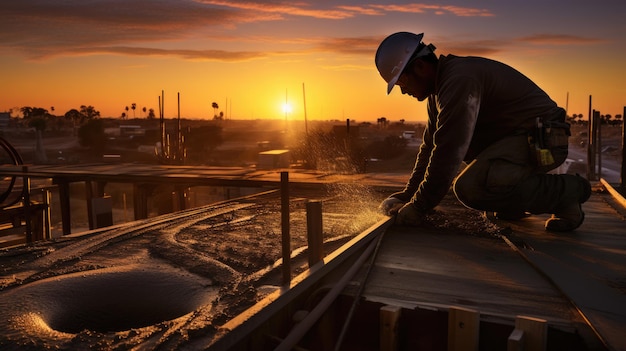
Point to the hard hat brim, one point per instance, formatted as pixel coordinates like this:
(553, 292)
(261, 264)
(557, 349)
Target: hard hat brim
(425, 50)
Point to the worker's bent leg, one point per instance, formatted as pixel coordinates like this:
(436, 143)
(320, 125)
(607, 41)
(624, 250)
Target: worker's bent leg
(503, 179)
(492, 180)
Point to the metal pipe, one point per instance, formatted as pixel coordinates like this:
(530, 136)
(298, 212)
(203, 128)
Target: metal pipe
(346, 324)
(286, 241)
(303, 326)
(622, 178)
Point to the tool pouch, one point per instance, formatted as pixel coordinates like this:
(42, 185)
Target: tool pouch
(548, 141)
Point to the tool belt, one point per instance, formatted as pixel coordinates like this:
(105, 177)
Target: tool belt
(547, 138)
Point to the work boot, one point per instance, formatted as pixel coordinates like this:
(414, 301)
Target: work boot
(570, 216)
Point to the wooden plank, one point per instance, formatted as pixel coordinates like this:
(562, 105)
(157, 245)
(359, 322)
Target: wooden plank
(315, 232)
(465, 271)
(389, 323)
(515, 341)
(616, 195)
(535, 332)
(463, 329)
(587, 265)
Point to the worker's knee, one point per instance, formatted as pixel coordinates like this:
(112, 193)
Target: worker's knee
(467, 192)
(485, 185)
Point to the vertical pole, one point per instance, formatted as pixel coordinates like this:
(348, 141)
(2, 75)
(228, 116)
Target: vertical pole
(284, 209)
(306, 125)
(27, 209)
(623, 169)
(599, 145)
(314, 228)
(162, 121)
(64, 199)
(595, 122)
(590, 155)
(47, 199)
(89, 198)
(179, 146)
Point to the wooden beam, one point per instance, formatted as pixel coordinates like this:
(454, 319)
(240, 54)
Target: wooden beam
(64, 199)
(535, 332)
(140, 201)
(389, 323)
(516, 341)
(88, 198)
(463, 329)
(315, 233)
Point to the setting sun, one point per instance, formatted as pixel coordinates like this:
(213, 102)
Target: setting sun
(287, 108)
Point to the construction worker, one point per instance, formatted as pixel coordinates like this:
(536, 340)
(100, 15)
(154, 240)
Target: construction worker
(508, 131)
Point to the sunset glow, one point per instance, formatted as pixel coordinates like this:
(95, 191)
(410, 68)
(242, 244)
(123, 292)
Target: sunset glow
(245, 54)
(287, 108)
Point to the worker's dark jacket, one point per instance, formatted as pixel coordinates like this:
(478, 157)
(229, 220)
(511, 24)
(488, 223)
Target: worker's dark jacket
(477, 101)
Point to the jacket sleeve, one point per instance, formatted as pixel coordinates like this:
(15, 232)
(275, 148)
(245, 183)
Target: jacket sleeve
(423, 156)
(457, 107)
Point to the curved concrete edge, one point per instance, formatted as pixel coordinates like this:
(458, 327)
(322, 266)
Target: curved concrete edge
(616, 195)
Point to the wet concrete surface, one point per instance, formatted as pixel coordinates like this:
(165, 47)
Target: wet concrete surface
(167, 282)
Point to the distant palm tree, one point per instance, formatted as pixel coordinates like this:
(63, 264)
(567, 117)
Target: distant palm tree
(89, 112)
(26, 111)
(215, 107)
(126, 111)
(144, 111)
(133, 106)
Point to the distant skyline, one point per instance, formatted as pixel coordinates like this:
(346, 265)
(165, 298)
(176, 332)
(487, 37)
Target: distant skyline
(250, 57)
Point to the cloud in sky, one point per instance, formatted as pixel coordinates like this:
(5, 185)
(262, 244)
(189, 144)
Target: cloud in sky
(559, 39)
(131, 46)
(41, 29)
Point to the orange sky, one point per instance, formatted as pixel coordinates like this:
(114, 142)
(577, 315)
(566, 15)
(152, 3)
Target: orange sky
(249, 56)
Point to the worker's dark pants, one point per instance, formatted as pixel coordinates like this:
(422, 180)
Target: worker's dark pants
(504, 178)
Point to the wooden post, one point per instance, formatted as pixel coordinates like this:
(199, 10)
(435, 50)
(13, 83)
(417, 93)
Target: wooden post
(515, 341)
(595, 121)
(535, 332)
(26, 204)
(463, 329)
(64, 199)
(179, 198)
(89, 197)
(389, 322)
(47, 199)
(140, 201)
(315, 235)
(286, 240)
(590, 143)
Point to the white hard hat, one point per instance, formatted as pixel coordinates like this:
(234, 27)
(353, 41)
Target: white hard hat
(394, 52)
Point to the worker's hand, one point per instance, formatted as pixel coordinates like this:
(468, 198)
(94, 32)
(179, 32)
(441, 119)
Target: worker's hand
(410, 215)
(390, 206)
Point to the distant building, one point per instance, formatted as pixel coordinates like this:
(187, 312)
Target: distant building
(131, 131)
(408, 134)
(273, 159)
(346, 131)
(5, 118)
